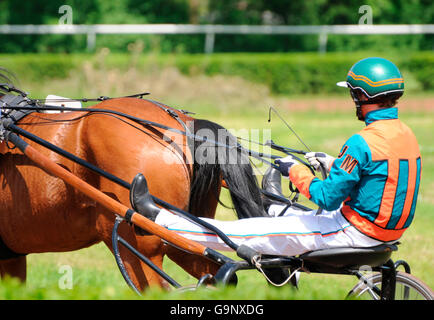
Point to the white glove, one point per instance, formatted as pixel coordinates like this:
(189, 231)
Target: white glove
(317, 158)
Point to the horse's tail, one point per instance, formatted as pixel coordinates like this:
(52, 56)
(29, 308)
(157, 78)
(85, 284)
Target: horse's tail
(213, 163)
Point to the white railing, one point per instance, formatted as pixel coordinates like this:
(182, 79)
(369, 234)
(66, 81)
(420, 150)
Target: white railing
(211, 30)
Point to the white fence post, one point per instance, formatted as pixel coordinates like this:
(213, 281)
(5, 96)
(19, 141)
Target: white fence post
(91, 41)
(209, 42)
(322, 42)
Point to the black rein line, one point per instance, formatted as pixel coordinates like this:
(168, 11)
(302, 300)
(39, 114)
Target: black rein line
(256, 155)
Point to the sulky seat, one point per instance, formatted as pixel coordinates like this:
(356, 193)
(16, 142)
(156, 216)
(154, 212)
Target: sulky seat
(351, 258)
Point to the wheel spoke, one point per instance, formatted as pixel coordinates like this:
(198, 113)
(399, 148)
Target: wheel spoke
(408, 287)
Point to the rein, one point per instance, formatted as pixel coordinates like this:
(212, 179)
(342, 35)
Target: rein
(33, 106)
(15, 103)
(258, 155)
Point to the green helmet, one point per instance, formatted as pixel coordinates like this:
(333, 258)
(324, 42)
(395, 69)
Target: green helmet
(375, 77)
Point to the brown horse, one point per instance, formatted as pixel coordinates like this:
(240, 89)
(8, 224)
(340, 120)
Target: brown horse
(41, 213)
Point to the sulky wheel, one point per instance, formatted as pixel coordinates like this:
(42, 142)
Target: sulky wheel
(408, 287)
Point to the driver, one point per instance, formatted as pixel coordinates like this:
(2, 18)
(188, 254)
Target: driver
(369, 196)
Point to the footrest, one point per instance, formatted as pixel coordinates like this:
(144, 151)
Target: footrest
(247, 253)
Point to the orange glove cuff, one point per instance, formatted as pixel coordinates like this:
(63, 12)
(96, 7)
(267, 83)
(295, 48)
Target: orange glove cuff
(301, 177)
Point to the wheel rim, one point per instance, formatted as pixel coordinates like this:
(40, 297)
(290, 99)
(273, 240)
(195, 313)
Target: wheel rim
(407, 288)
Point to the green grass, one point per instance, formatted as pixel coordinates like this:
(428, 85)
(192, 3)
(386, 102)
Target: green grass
(95, 274)
(99, 278)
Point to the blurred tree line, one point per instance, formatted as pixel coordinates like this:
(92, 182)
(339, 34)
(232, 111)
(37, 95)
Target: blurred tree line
(252, 12)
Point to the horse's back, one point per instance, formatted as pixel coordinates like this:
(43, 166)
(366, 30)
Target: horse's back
(126, 148)
(39, 212)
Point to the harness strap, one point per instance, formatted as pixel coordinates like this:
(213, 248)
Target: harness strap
(172, 113)
(9, 115)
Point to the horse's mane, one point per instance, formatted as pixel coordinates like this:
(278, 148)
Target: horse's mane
(8, 77)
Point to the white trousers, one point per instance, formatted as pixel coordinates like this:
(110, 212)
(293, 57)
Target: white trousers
(294, 233)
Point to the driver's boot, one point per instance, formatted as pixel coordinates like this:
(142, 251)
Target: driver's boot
(142, 202)
(271, 184)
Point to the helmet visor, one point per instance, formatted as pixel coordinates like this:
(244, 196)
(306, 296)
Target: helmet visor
(343, 84)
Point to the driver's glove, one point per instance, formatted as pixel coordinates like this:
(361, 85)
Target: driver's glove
(284, 164)
(317, 158)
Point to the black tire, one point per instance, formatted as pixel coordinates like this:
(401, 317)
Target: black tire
(408, 287)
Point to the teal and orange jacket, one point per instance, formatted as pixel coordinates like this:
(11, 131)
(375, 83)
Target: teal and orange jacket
(375, 178)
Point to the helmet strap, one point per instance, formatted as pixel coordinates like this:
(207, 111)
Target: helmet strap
(359, 113)
(360, 103)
